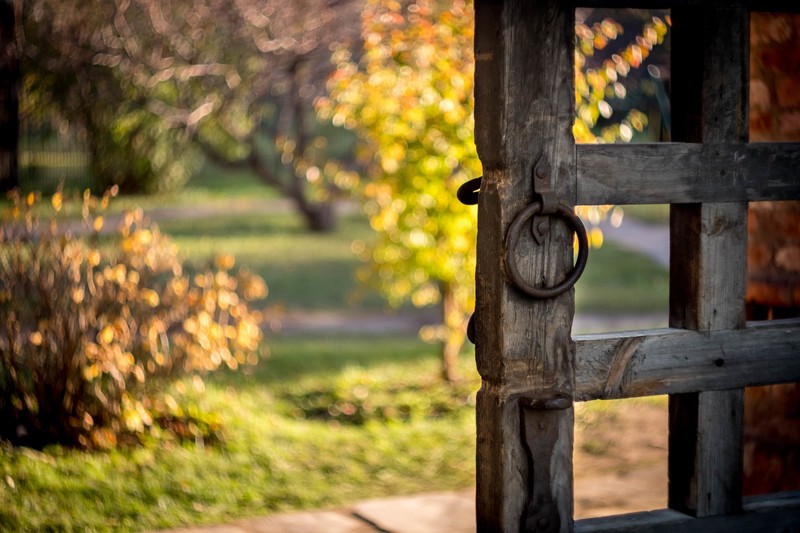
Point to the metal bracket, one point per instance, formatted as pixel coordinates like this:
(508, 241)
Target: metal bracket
(512, 240)
(543, 191)
(543, 186)
(539, 420)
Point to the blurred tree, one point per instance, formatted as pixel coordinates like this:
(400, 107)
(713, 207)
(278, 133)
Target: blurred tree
(144, 77)
(610, 83)
(410, 100)
(9, 97)
(67, 81)
(621, 85)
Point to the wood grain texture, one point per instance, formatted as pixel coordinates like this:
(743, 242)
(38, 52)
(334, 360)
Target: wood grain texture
(523, 111)
(708, 244)
(708, 266)
(664, 173)
(762, 514)
(676, 361)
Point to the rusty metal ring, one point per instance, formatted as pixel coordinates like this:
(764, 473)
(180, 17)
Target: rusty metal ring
(512, 238)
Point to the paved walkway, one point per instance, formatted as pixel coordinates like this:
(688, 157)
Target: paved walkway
(451, 512)
(454, 512)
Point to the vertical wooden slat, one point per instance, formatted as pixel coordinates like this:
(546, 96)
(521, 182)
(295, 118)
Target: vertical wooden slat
(708, 255)
(524, 108)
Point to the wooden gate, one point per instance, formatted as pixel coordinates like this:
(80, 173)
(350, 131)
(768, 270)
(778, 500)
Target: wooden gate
(531, 366)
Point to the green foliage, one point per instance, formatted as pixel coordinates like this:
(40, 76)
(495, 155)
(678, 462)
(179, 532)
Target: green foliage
(409, 98)
(270, 457)
(137, 152)
(74, 81)
(411, 92)
(87, 324)
(618, 282)
(151, 82)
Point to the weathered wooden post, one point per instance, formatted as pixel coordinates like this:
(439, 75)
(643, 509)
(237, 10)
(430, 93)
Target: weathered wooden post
(524, 107)
(708, 254)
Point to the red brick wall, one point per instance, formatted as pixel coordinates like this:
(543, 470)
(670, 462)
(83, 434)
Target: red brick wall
(774, 77)
(774, 227)
(772, 414)
(773, 259)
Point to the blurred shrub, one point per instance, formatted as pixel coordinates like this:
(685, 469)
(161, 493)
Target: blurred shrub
(136, 151)
(87, 322)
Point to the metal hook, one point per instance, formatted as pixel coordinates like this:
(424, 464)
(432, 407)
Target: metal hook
(468, 192)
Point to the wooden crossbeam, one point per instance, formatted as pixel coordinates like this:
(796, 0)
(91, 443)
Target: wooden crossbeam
(767, 513)
(675, 361)
(663, 173)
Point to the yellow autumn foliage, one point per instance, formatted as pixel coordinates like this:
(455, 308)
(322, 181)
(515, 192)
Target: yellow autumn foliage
(83, 327)
(409, 97)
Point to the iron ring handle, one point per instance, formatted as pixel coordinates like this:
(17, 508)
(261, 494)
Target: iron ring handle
(512, 239)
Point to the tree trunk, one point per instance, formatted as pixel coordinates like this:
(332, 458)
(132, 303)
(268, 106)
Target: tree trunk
(9, 99)
(455, 334)
(320, 216)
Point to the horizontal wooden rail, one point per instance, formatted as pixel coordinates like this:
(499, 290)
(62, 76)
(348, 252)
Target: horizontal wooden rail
(768, 513)
(673, 361)
(663, 173)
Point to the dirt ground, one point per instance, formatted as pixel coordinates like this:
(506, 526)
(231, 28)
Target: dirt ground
(620, 457)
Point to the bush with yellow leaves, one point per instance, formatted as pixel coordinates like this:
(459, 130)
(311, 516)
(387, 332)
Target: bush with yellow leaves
(86, 319)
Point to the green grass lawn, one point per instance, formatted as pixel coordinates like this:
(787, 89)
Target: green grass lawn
(652, 214)
(324, 421)
(618, 281)
(317, 271)
(211, 185)
(274, 456)
(303, 270)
